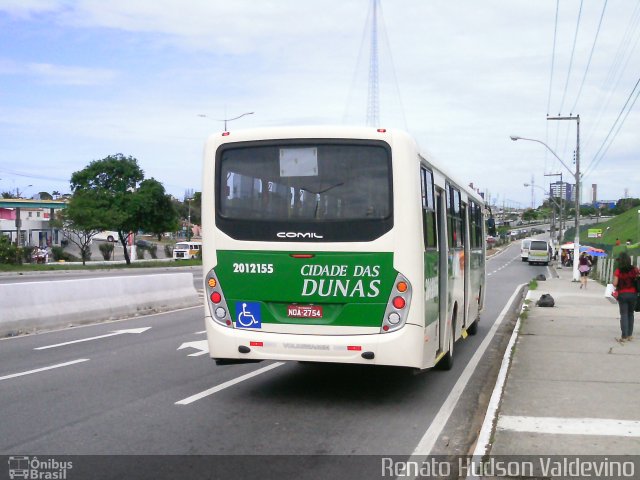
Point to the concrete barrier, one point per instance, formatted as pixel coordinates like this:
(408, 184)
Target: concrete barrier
(31, 306)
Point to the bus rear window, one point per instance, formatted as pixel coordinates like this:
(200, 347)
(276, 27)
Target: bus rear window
(538, 245)
(303, 186)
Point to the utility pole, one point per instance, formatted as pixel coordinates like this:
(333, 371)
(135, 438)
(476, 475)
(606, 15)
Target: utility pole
(576, 242)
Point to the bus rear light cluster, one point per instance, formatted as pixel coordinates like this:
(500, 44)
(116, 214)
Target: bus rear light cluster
(217, 304)
(397, 309)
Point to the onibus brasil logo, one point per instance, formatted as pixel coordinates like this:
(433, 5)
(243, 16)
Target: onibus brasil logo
(33, 468)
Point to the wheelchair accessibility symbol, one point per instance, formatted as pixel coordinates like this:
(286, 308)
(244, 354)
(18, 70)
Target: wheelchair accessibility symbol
(248, 314)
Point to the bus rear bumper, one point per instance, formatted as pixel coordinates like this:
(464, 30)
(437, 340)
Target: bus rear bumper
(401, 348)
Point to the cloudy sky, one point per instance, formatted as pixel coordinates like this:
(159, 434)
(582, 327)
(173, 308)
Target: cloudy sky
(80, 80)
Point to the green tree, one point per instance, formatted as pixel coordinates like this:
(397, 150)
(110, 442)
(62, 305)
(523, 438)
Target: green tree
(121, 199)
(529, 214)
(153, 209)
(83, 219)
(625, 204)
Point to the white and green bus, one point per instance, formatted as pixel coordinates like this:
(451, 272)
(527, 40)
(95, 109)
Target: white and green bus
(337, 244)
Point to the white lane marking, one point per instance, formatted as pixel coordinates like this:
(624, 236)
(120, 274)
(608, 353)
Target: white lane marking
(201, 345)
(228, 384)
(59, 365)
(74, 327)
(424, 447)
(503, 266)
(200, 333)
(570, 426)
(117, 332)
(484, 437)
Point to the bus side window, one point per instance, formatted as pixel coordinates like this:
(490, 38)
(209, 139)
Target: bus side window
(475, 224)
(428, 210)
(455, 216)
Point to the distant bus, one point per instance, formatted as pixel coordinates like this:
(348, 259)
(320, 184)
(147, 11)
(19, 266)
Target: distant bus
(337, 244)
(540, 251)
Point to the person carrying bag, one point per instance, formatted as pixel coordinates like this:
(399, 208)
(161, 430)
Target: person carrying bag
(625, 280)
(584, 267)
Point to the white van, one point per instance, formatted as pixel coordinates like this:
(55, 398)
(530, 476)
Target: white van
(539, 252)
(186, 250)
(524, 249)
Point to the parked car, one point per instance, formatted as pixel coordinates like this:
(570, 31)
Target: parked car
(107, 235)
(143, 243)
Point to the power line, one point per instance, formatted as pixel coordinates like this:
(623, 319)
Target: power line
(553, 59)
(566, 83)
(29, 175)
(573, 49)
(615, 73)
(593, 47)
(597, 159)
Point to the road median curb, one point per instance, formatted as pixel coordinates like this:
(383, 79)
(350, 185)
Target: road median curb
(32, 306)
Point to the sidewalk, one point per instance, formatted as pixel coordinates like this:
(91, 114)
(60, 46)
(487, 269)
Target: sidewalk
(571, 389)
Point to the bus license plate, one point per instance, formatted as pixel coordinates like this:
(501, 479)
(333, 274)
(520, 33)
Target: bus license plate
(304, 311)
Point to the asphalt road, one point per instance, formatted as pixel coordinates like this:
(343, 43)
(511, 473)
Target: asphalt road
(119, 394)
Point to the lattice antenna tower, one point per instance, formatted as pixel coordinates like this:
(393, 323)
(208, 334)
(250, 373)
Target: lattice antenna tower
(373, 93)
(533, 194)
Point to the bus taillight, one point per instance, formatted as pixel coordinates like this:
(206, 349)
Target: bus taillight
(217, 303)
(396, 313)
(399, 303)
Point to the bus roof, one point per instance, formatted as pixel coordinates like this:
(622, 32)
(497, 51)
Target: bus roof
(338, 132)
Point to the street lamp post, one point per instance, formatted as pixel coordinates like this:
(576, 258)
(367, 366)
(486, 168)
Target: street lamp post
(225, 120)
(576, 174)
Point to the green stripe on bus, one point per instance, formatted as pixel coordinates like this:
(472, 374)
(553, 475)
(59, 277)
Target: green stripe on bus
(351, 287)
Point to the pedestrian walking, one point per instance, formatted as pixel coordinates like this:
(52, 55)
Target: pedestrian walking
(584, 267)
(624, 279)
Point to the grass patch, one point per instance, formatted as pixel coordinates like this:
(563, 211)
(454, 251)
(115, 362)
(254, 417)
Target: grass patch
(533, 284)
(53, 267)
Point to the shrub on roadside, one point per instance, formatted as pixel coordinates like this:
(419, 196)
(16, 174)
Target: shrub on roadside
(153, 251)
(26, 253)
(140, 252)
(8, 251)
(106, 249)
(168, 250)
(59, 254)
